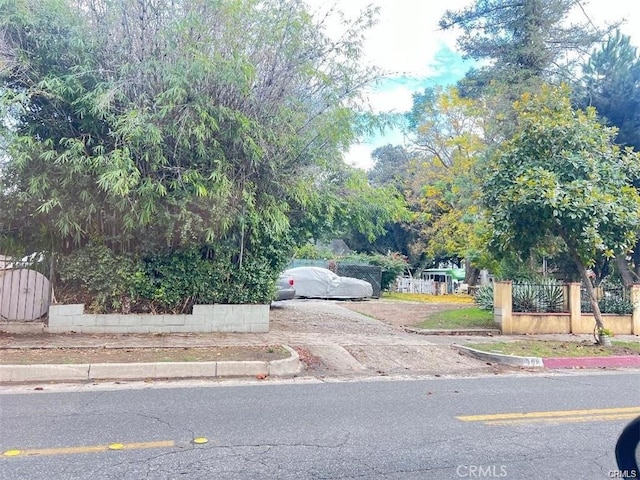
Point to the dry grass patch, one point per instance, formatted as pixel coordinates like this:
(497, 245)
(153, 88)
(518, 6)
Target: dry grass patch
(426, 298)
(31, 356)
(552, 348)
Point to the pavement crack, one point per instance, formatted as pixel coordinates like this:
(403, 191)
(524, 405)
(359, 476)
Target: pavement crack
(164, 422)
(270, 446)
(598, 458)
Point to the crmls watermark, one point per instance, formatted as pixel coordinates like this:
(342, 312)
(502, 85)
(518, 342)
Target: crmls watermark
(481, 471)
(623, 474)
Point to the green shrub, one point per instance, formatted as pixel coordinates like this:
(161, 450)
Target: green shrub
(614, 299)
(96, 276)
(483, 297)
(392, 264)
(174, 281)
(615, 304)
(171, 281)
(312, 252)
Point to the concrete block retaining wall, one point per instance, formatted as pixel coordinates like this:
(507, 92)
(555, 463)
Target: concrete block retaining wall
(204, 319)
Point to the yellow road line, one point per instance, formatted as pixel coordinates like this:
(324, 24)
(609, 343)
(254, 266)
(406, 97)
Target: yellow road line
(555, 416)
(591, 418)
(87, 449)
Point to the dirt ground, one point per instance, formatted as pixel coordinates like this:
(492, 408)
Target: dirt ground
(138, 355)
(399, 314)
(368, 337)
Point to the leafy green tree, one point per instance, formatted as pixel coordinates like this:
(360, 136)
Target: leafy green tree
(157, 126)
(347, 206)
(163, 134)
(561, 176)
(391, 171)
(390, 164)
(450, 135)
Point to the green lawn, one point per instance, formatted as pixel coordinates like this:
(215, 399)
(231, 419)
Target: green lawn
(549, 348)
(469, 317)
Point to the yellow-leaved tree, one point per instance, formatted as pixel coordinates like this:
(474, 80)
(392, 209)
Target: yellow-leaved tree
(449, 136)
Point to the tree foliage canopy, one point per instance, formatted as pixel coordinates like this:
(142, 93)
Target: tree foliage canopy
(520, 42)
(169, 123)
(562, 176)
(168, 129)
(611, 83)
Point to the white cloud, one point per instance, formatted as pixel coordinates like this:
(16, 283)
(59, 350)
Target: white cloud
(359, 155)
(397, 99)
(407, 35)
(601, 12)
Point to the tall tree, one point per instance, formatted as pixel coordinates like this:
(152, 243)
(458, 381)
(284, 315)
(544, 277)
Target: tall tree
(345, 205)
(520, 43)
(158, 127)
(390, 164)
(449, 135)
(391, 170)
(611, 84)
(561, 176)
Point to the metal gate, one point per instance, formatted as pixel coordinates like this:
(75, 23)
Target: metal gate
(25, 289)
(369, 273)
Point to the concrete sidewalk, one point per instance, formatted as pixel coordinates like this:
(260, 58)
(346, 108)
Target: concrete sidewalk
(335, 341)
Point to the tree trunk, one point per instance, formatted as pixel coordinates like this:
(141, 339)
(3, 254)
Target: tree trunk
(471, 274)
(623, 268)
(589, 287)
(636, 260)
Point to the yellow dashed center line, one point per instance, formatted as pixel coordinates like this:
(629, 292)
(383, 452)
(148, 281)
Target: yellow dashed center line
(87, 449)
(560, 416)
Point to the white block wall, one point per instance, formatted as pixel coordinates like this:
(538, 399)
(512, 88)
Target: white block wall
(205, 319)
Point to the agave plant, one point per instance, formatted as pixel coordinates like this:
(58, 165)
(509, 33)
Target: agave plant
(551, 295)
(525, 297)
(483, 297)
(544, 296)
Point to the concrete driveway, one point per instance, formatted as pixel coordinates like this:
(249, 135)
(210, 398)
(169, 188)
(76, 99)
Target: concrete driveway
(334, 340)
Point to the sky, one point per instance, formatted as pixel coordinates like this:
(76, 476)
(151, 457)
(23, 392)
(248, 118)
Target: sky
(408, 42)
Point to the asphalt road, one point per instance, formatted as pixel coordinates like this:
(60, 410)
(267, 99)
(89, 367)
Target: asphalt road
(422, 429)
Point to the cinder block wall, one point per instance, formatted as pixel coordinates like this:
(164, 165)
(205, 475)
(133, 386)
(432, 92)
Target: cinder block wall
(204, 319)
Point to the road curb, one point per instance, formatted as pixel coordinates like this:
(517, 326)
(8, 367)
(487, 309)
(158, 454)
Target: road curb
(44, 373)
(286, 366)
(511, 360)
(612, 361)
(153, 370)
(552, 363)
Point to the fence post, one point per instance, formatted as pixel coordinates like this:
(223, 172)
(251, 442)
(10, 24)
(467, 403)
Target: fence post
(575, 318)
(502, 306)
(635, 316)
